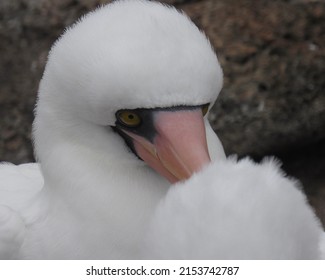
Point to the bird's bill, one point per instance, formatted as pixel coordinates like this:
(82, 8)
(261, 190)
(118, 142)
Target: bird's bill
(179, 147)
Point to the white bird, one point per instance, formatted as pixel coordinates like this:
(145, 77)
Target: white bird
(121, 111)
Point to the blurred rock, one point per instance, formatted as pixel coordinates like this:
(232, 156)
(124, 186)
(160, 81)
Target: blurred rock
(273, 57)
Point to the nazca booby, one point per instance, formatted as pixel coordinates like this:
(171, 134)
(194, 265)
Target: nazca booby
(121, 123)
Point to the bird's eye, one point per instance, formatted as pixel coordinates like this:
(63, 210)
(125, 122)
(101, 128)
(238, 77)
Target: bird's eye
(128, 118)
(205, 109)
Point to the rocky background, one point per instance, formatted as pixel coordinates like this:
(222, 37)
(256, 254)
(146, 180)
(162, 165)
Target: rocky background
(272, 53)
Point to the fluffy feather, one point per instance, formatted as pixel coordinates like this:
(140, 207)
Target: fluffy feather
(18, 209)
(235, 210)
(322, 246)
(136, 49)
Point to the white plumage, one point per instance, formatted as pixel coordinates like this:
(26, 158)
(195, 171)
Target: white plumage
(98, 200)
(235, 210)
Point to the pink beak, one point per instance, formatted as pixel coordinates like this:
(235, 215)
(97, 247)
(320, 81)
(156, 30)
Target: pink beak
(179, 148)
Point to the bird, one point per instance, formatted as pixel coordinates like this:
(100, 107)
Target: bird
(128, 166)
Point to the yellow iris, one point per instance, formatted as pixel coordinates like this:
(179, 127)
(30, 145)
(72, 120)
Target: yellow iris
(129, 118)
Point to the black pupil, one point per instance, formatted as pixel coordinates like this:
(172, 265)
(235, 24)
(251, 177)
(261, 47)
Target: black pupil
(131, 117)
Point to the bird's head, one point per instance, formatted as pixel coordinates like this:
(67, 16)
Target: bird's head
(143, 70)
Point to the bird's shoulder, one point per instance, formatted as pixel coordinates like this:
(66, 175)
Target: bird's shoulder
(19, 178)
(12, 232)
(27, 171)
(19, 184)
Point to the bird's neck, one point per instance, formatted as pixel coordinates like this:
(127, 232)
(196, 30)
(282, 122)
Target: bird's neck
(92, 176)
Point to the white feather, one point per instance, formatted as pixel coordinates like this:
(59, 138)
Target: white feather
(18, 190)
(235, 210)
